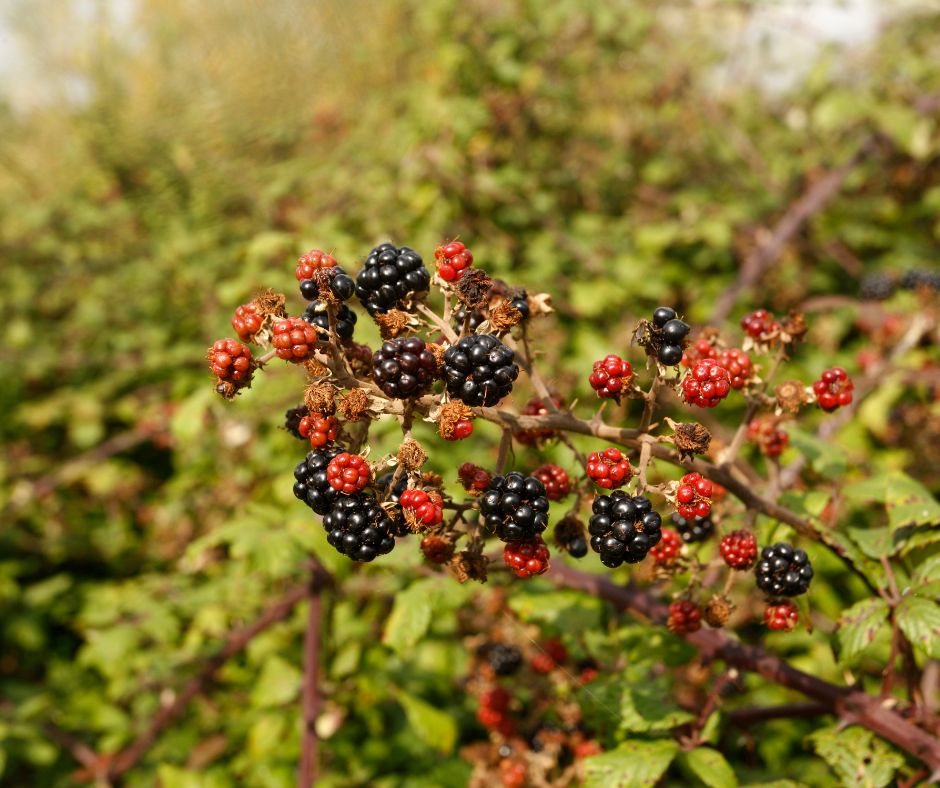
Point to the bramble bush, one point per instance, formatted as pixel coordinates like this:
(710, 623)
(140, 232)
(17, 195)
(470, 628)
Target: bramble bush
(173, 614)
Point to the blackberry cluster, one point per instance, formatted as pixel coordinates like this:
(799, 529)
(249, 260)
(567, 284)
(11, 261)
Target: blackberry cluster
(460, 316)
(515, 507)
(671, 333)
(388, 276)
(876, 287)
(479, 370)
(316, 315)
(914, 279)
(783, 570)
(695, 530)
(383, 481)
(341, 285)
(311, 485)
(504, 659)
(623, 528)
(359, 528)
(292, 417)
(404, 367)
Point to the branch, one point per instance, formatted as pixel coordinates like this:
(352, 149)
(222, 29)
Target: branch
(852, 705)
(311, 695)
(745, 718)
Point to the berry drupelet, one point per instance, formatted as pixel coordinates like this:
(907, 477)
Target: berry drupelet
(738, 549)
(504, 660)
(404, 367)
(316, 315)
(833, 390)
(706, 384)
(388, 276)
(348, 473)
(311, 485)
(427, 507)
(783, 570)
(667, 551)
(535, 407)
(515, 507)
(671, 333)
(623, 528)
(556, 480)
(781, 616)
(610, 376)
(694, 529)
(358, 527)
(694, 496)
(452, 260)
(527, 558)
(684, 617)
(608, 468)
(760, 324)
(293, 339)
(479, 370)
(247, 321)
(765, 433)
(320, 428)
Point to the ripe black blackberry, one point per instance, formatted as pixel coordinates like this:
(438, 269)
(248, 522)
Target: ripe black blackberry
(388, 275)
(341, 285)
(914, 279)
(404, 367)
(504, 659)
(515, 507)
(311, 485)
(783, 570)
(315, 313)
(876, 287)
(669, 334)
(359, 528)
(460, 316)
(697, 529)
(623, 528)
(382, 483)
(479, 370)
(292, 419)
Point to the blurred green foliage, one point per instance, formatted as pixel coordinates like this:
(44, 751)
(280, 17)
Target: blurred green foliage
(587, 150)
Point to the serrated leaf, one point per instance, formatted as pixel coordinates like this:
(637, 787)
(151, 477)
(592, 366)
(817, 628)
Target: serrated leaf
(647, 708)
(409, 619)
(826, 458)
(857, 756)
(919, 620)
(874, 542)
(859, 626)
(433, 726)
(634, 764)
(927, 572)
(710, 767)
(909, 502)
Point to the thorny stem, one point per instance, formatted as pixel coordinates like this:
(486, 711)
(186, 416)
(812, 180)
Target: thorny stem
(443, 327)
(646, 452)
(711, 703)
(650, 406)
(505, 443)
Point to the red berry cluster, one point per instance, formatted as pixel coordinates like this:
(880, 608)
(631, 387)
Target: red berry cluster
(452, 260)
(437, 549)
(667, 551)
(698, 350)
(493, 712)
(684, 617)
(427, 507)
(706, 384)
(512, 773)
(768, 436)
(348, 473)
(556, 480)
(230, 361)
(694, 496)
(320, 428)
(781, 616)
(760, 324)
(833, 389)
(310, 263)
(739, 549)
(247, 321)
(527, 558)
(535, 407)
(473, 478)
(294, 339)
(610, 376)
(608, 468)
(552, 655)
(738, 364)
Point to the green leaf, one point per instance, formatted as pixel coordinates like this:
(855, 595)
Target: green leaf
(566, 611)
(617, 702)
(927, 572)
(857, 757)
(919, 620)
(278, 683)
(859, 626)
(410, 618)
(710, 767)
(909, 502)
(634, 764)
(432, 725)
(826, 458)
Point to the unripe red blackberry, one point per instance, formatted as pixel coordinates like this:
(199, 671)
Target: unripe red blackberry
(623, 528)
(611, 376)
(316, 315)
(695, 529)
(833, 389)
(452, 260)
(515, 507)
(388, 276)
(535, 407)
(461, 429)
(552, 655)
(311, 262)
(479, 370)
(247, 321)
(556, 480)
(527, 558)
(608, 468)
(231, 362)
(293, 339)
(320, 428)
(437, 549)
(781, 616)
(706, 384)
(348, 473)
(760, 324)
(739, 549)
(311, 485)
(426, 506)
(783, 570)
(738, 364)
(473, 478)
(768, 436)
(358, 527)
(684, 617)
(668, 549)
(697, 351)
(694, 496)
(404, 367)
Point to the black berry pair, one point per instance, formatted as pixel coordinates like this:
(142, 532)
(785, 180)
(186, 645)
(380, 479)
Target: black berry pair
(670, 333)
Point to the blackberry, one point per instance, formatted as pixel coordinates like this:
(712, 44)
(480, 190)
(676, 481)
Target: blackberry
(388, 276)
(520, 301)
(404, 367)
(359, 528)
(504, 660)
(341, 285)
(697, 529)
(479, 370)
(460, 316)
(668, 335)
(914, 279)
(515, 507)
(577, 547)
(311, 485)
(783, 570)
(876, 287)
(315, 313)
(292, 419)
(623, 528)
(383, 481)
(670, 355)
